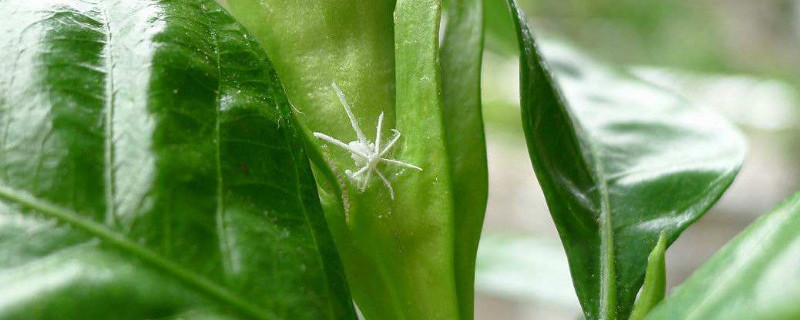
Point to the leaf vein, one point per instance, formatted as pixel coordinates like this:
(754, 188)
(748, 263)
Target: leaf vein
(111, 237)
(108, 152)
(224, 245)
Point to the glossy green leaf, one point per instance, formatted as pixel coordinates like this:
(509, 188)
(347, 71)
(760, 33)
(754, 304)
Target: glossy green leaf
(461, 54)
(149, 169)
(655, 281)
(384, 57)
(754, 277)
(620, 161)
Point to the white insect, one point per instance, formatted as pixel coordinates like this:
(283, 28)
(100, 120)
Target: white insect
(366, 154)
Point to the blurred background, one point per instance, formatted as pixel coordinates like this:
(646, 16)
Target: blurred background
(740, 58)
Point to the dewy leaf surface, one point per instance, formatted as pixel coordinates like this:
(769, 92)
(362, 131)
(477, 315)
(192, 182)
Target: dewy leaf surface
(620, 161)
(149, 168)
(754, 277)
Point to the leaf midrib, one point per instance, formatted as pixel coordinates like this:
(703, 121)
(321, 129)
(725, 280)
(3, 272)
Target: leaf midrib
(200, 283)
(108, 152)
(222, 229)
(608, 289)
(608, 293)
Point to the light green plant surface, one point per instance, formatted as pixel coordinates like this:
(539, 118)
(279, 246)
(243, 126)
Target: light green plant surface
(425, 213)
(401, 255)
(618, 167)
(755, 276)
(655, 281)
(149, 169)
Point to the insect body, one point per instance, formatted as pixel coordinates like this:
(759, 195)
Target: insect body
(366, 154)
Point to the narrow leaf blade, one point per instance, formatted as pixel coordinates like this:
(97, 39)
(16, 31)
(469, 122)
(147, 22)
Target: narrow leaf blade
(461, 54)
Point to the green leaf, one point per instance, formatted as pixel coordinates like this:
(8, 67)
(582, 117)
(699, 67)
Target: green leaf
(149, 168)
(384, 57)
(620, 160)
(655, 281)
(499, 28)
(461, 54)
(754, 277)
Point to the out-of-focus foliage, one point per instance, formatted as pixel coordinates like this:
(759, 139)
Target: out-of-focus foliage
(760, 37)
